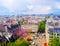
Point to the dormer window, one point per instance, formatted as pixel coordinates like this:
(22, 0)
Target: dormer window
(56, 24)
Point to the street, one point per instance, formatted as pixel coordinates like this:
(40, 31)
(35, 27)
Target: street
(39, 41)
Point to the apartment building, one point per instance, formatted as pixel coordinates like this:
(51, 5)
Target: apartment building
(52, 28)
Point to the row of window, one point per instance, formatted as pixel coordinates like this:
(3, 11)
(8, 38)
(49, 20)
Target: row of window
(55, 34)
(52, 24)
(51, 36)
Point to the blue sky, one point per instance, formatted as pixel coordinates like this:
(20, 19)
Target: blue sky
(14, 7)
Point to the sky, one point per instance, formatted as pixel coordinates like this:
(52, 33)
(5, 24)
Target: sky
(14, 7)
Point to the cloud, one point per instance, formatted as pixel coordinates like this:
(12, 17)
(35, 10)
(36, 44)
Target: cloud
(31, 1)
(40, 2)
(13, 5)
(8, 4)
(30, 6)
(57, 6)
(40, 10)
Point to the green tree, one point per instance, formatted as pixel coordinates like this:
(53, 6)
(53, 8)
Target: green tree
(11, 44)
(42, 26)
(21, 23)
(18, 42)
(48, 17)
(21, 42)
(54, 42)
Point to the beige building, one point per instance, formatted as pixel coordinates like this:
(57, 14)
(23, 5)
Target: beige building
(31, 28)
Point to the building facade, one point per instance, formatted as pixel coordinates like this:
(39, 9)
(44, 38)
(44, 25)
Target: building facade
(52, 28)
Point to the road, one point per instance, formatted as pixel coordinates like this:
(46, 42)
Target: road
(39, 41)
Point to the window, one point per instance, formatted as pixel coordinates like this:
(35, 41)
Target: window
(54, 34)
(56, 24)
(58, 37)
(50, 36)
(58, 34)
(50, 23)
(51, 33)
(50, 39)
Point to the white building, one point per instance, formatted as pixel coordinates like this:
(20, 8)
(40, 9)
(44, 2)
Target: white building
(52, 28)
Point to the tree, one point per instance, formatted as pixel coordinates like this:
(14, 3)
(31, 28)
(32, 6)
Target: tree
(41, 26)
(22, 32)
(48, 17)
(21, 42)
(18, 42)
(54, 42)
(21, 23)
